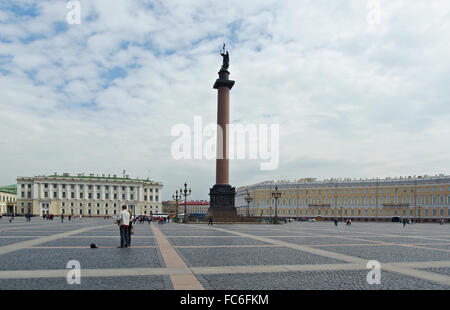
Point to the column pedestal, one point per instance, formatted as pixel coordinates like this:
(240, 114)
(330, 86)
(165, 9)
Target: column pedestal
(222, 207)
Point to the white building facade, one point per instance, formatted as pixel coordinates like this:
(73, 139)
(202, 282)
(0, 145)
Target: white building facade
(90, 195)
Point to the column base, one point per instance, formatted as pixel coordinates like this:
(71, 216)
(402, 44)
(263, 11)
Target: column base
(222, 207)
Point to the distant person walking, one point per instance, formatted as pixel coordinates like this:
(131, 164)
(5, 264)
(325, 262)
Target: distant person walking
(123, 220)
(335, 222)
(210, 221)
(130, 228)
(62, 218)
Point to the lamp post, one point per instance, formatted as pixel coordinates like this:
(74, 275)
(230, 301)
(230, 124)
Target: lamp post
(248, 199)
(276, 195)
(185, 192)
(177, 199)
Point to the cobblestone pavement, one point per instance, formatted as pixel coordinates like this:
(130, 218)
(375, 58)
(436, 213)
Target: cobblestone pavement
(291, 256)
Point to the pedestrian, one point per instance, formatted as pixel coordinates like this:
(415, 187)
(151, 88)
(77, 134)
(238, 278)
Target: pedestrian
(210, 221)
(123, 220)
(62, 218)
(130, 228)
(335, 222)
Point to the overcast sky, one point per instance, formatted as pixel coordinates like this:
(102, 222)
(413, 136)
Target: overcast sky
(354, 96)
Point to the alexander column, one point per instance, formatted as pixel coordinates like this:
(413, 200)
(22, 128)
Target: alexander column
(222, 194)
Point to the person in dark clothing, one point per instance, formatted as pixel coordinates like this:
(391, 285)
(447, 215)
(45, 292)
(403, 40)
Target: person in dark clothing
(210, 221)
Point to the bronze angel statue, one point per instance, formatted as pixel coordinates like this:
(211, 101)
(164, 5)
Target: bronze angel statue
(226, 58)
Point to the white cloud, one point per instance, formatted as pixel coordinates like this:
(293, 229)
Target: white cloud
(351, 100)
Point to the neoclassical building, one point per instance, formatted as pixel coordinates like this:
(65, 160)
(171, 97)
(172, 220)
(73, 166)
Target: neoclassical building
(424, 198)
(8, 199)
(87, 195)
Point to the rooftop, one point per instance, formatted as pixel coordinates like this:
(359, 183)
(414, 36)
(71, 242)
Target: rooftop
(96, 177)
(351, 180)
(10, 189)
(196, 203)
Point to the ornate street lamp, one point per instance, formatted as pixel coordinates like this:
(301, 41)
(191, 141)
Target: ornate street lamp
(177, 199)
(248, 199)
(276, 195)
(185, 192)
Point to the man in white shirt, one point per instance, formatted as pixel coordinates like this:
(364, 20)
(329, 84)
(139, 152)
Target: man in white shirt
(124, 221)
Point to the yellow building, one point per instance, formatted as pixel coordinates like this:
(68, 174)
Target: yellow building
(8, 200)
(87, 195)
(419, 198)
